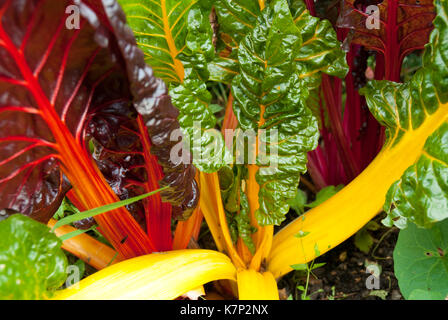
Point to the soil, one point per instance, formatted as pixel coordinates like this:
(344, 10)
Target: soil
(345, 274)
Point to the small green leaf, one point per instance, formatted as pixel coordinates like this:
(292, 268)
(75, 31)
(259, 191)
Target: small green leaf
(372, 225)
(318, 265)
(363, 240)
(215, 108)
(298, 203)
(245, 229)
(32, 263)
(421, 259)
(379, 293)
(300, 267)
(65, 207)
(324, 194)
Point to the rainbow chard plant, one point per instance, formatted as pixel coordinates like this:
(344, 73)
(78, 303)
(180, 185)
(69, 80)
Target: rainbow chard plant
(278, 59)
(80, 109)
(282, 65)
(351, 141)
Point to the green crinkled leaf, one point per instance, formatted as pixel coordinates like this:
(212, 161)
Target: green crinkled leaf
(32, 262)
(176, 36)
(269, 95)
(224, 69)
(320, 50)
(236, 19)
(160, 28)
(421, 260)
(198, 121)
(199, 49)
(421, 195)
(320, 53)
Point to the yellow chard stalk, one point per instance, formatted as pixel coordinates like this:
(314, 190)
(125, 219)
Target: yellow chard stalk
(157, 276)
(407, 176)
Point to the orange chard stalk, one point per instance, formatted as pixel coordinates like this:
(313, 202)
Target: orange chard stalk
(86, 248)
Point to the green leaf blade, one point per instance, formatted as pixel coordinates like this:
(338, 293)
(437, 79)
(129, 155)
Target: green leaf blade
(31, 260)
(421, 260)
(104, 209)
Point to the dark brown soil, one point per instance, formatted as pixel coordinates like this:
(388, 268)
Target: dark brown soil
(344, 275)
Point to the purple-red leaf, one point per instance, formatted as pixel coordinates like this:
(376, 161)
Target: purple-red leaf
(404, 27)
(52, 79)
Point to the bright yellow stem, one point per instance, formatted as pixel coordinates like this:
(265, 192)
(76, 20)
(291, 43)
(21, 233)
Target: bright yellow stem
(253, 285)
(341, 216)
(157, 276)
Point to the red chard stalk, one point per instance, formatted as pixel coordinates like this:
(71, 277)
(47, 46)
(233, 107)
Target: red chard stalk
(62, 89)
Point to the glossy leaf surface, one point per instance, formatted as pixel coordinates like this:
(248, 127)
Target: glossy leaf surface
(31, 260)
(51, 83)
(420, 261)
(176, 37)
(421, 195)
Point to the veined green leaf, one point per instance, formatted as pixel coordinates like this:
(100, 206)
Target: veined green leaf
(199, 49)
(320, 53)
(421, 261)
(421, 195)
(160, 28)
(32, 262)
(269, 95)
(236, 19)
(176, 36)
(224, 68)
(198, 121)
(320, 50)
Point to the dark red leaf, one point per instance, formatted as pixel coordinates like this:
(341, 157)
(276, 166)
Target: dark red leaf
(405, 26)
(51, 80)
